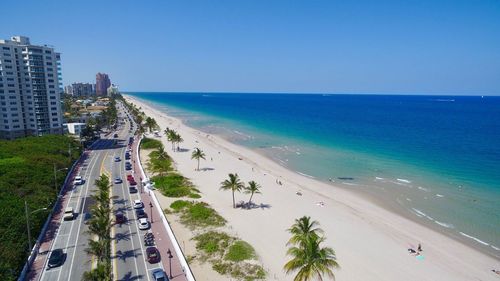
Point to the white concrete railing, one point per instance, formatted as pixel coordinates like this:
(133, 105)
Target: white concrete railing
(185, 266)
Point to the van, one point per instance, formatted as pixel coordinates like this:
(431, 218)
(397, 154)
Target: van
(68, 214)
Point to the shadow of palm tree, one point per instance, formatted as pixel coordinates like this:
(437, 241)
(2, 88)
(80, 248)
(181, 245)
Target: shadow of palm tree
(129, 277)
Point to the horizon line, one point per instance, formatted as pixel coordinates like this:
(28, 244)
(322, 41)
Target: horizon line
(317, 93)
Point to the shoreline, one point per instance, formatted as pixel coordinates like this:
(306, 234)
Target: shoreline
(357, 214)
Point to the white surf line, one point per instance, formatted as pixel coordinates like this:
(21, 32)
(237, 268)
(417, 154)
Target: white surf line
(122, 169)
(71, 228)
(81, 219)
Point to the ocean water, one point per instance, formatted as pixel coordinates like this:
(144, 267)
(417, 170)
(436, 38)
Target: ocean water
(436, 158)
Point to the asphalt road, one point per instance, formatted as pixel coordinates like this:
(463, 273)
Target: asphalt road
(127, 247)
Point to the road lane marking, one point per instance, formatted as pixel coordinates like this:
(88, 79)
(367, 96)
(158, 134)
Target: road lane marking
(57, 231)
(80, 224)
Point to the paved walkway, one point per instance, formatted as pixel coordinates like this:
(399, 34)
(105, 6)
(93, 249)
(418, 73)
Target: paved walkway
(162, 240)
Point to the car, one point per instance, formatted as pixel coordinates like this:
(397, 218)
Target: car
(132, 182)
(127, 156)
(140, 213)
(143, 224)
(159, 275)
(132, 189)
(117, 159)
(152, 255)
(115, 136)
(68, 214)
(130, 177)
(128, 168)
(56, 258)
(120, 218)
(118, 180)
(78, 180)
(138, 204)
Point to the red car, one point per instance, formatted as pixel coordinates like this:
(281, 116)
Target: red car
(132, 182)
(153, 255)
(130, 177)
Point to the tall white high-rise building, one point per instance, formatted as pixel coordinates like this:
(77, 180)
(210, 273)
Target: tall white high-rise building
(30, 89)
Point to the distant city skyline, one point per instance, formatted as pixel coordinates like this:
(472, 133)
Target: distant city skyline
(390, 47)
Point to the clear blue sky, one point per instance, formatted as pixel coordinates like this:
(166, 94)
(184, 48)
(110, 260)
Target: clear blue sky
(450, 47)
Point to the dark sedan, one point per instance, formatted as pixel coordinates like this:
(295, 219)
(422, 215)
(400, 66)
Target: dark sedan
(120, 218)
(56, 258)
(153, 255)
(132, 189)
(140, 213)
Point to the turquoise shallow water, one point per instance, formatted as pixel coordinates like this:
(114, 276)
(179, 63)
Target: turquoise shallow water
(435, 157)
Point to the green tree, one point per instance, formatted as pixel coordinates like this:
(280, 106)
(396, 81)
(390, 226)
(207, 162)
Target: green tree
(309, 259)
(252, 188)
(162, 154)
(234, 184)
(198, 154)
(101, 273)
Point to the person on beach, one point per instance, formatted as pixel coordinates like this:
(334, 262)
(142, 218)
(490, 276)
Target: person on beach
(419, 247)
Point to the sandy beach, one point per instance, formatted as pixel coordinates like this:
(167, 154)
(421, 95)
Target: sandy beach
(370, 242)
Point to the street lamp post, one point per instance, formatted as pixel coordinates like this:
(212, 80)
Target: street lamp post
(55, 177)
(169, 253)
(151, 206)
(28, 222)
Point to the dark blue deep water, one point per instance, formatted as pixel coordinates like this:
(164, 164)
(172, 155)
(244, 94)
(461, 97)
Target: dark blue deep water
(445, 148)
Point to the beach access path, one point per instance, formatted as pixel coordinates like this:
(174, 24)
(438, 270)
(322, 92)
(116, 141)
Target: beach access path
(371, 242)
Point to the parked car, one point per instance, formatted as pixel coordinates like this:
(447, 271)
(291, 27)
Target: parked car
(132, 182)
(56, 258)
(132, 189)
(128, 168)
(118, 180)
(78, 180)
(140, 213)
(120, 218)
(68, 214)
(159, 275)
(138, 204)
(117, 159)
(143, 224)
(152, 255)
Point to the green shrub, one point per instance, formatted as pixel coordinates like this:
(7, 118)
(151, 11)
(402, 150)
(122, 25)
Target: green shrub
(148, 143)
(178, 205)
(194, 196)
(212, 242)
(240, 251)
(174, 185)
(201, 215)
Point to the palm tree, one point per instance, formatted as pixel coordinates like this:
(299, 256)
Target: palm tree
(162, 154)
(234, 184)
(178, 140)
(101, 273)
(198, 154)
(303, 229)
(97, 248)
(171, 135)
(252, 188)
(311, 260)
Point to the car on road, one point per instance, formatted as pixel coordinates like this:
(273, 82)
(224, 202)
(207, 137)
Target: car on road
(140, 213)
(132, 189)
(159, 275)
(78, 180)
(143, 224)
(138, 204)
(117, 159)
(115, 136)
(118, 180)
(120, 218)
(68, 214)
(56, 258)
(152, 255)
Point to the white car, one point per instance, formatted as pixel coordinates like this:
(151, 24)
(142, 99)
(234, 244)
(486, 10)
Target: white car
(78, 180)
(143, 224)
(138, 204)
(68, 214)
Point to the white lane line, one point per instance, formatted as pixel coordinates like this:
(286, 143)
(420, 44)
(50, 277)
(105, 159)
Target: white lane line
(128, 224)
(57, 236)
(81, 220)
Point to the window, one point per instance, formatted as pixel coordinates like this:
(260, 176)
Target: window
(48, 52)
(50, 75)
(52, 92)
(6, 48)
(48, 57)
(54, 113)
(50, 69)
(53, 103)
(13, 103)
(51, 86)
(52, 97)
(16, 126)
(12, 97)
(51, 80)
(6, 127)
(10, 79)
(12, 91)
(53, 108)
(10, 85)
(49, 63)
(54, 119)
(7, 54)
(7, 60)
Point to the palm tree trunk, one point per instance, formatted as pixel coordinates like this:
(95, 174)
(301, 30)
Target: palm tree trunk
(198, 164)
(234, 204)
(250, 200)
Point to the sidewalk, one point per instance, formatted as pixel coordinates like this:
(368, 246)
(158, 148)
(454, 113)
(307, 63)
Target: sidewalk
(163, 242)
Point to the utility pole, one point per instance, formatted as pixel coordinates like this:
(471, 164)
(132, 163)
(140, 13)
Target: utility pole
(28, 226)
